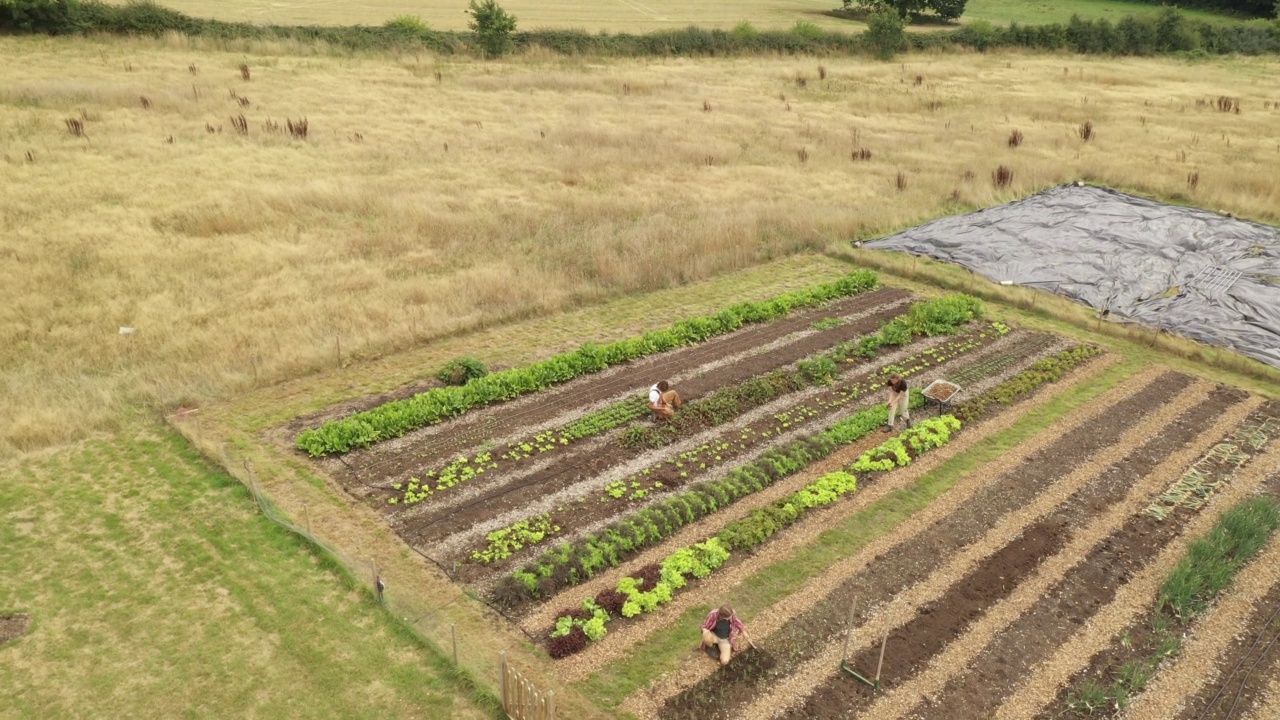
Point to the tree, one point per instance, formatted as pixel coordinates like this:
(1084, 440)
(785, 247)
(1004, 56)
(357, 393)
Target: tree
(886, 34)
(492, 25)
(945, 9)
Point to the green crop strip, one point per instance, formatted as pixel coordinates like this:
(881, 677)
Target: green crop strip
(661, 651)
(399, 417)
(933, 316)
(703, 558)
(1211, 563)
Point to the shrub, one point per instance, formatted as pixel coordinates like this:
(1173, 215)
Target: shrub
(493, 27)
(886, 35)
(461, 371)
(408, 24)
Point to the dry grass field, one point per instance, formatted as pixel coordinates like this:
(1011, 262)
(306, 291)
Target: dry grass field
(433, 196)
(639, 15)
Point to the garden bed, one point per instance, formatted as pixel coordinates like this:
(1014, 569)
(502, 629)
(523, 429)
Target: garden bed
(911, 562)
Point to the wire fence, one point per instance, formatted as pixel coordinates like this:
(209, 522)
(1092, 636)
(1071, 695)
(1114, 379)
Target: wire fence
(492, 680)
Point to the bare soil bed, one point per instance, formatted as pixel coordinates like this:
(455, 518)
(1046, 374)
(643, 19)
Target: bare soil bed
(13, 627)
(1062, 612)
(912, 561)
(1137, 640)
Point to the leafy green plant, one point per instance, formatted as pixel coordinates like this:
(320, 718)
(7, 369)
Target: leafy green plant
(886, 34)
(826, 323)
(505, 542)
(398, 417)
(461, 371)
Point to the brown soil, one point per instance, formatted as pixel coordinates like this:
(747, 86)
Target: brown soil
(912, 561)
(432, 447)
(1138, 637)
(13, 627)
(430, 528)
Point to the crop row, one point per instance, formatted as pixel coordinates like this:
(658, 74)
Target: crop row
(637, 595)
(398, 417)
(469, 467)
(937, 316)
(571, 563)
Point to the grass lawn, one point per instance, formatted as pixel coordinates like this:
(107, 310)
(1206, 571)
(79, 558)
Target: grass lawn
(155, 588)
(1036, 12)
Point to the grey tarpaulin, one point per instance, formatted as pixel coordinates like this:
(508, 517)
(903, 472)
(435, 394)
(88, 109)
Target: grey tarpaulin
(1197, 273)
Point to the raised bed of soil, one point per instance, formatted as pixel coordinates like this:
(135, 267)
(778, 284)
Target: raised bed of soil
(912, 561)
(1071, 602)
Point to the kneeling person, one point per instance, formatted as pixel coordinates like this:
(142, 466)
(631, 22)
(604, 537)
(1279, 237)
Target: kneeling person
(663, 401)
(721, 630)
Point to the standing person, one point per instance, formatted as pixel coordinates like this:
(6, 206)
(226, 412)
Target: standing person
(722, 629)
(663, 401)
(899, 400)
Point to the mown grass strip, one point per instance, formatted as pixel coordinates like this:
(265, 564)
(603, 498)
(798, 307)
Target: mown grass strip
(662, 650)
(399, 417)
(1209, 566)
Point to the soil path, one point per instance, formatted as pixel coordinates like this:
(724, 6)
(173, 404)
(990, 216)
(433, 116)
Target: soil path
(1027, 620)
(648, 701)
(925, 615)
(1133, 600)
(784, 544)
(1201, 659)
(546, 613)
(433, 444)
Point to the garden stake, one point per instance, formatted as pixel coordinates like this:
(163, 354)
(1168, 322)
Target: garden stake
(848, 631)
(880, 664)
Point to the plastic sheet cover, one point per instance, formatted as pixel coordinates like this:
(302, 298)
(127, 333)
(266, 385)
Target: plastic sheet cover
(1206, 276)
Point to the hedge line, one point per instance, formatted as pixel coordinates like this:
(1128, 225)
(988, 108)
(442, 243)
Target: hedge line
(399, 417)
(1167, 33)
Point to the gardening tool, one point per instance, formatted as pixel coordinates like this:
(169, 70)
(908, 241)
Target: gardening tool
(934, 390)
(844, 654)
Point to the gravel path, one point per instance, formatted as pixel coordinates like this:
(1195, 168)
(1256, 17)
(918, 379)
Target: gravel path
(957, 657)
(648, 701)
(542, 616)
(1133, 600)
(903, 608)
(1198, 662)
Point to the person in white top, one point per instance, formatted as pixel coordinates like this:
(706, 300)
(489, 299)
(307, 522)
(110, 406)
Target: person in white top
(663, 401)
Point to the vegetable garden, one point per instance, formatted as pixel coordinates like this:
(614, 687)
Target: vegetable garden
(1041, 542)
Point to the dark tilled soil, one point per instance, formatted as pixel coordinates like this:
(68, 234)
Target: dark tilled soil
(424, 529)
(1139, 639)
(914, 560)
(13, 627)
(436, 444)
(1248, 666)
(1085, 590)
(998, 575)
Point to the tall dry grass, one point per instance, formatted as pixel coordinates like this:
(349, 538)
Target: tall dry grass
(433, 196)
